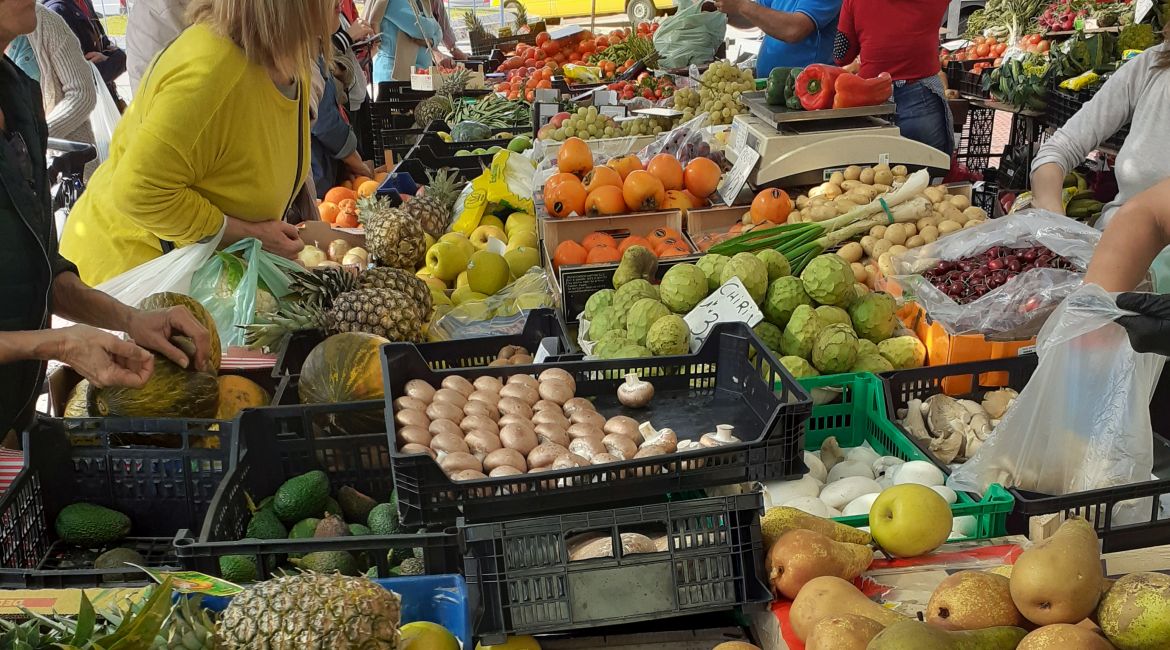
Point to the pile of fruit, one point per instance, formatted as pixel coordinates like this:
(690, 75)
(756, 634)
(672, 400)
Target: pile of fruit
(581, 47)
(718, 94)
(339, 207)
(646, 86)
(467, 266)
(1063, 15)
(969, 279)
(600, 248)
(1080, 202)
(624, 184)
(587, 123)
(516, 144)
(625, 51)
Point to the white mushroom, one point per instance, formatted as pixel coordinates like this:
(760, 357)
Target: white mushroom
(721, 436)
(885, 465)
(831, 452)
(997, 402)
(913, 421)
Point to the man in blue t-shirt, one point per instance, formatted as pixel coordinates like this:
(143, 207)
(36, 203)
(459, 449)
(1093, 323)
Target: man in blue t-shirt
(796, 32)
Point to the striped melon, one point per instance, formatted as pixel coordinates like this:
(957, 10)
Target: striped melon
(167, 299)
(171, 392)
(344, 368)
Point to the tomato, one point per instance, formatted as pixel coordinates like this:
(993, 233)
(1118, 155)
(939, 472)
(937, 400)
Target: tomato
(998, 62)
(544, 83)
(549, 48)
(978, 40)
(999, 49)
(983, 50)
(542, 38)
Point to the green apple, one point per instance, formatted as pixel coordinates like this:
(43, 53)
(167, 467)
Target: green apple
(521, 258)
(491, 220)
(460, 240)
(488, 272)
(446, 260)
(520, 221)
(440, 298)
(464, 295)
(909, 520)
(533, 300)
(520, 238)
(461, 280)
(480, 236)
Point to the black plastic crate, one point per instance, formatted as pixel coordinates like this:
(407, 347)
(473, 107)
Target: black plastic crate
(1064, 103)
(418, 169)
(1096, 505)
(161, 473)
(278, 443)
(969, 84)
(712, 560)
(482, 44)
(728, 381)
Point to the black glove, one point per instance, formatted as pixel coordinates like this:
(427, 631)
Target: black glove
(1150, 330)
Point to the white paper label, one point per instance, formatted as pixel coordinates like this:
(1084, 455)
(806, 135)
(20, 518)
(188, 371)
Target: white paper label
(1142, 9)
(734, 180)
(730, 303)
(1027, 349)
(618, 111)
(658, 112)
(564, 32)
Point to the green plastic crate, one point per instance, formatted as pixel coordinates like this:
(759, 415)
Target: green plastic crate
(860, 416)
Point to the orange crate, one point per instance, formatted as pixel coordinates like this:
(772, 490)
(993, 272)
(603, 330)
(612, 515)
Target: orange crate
(943, 348)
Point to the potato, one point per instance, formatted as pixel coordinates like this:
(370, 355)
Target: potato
(832, 191)
(823, 213)
(881, 167)
(972, 223)
(859, 272)
(849, 186)
(935, 194)
(886, 265)
(801, 201)
(926, 222)
(929, 234)
(897, 250)
(900, 180)
(900, 170)
(947, 227)
(845, 205)
(878, 231)
(867, 243)
(866, 176)
(856, 198)
(882, 188)
(816, 201)
(836, 178)
(851, 252)
(883, 177)
(868, 190)
(910, 228)
(951, 213)
(852, 173)
(895, 234)
(974, 212)
(915, 241)
(959, 201)
(881, 246)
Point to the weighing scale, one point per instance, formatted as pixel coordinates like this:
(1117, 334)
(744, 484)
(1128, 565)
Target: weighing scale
(797, 147)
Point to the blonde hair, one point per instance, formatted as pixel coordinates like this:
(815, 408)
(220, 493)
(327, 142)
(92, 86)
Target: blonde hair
(284, 36)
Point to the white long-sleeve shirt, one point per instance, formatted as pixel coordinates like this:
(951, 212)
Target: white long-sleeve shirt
(151, 26)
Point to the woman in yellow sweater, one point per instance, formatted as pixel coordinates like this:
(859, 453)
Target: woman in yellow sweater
(219, 129)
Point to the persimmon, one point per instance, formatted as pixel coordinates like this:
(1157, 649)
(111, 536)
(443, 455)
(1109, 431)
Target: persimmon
(696, 202)
(347, 219)
(643, 191)
(598, 238)
(347, 205)
(565, 198)
(556, 179)
(677, 200)
(659, 236)
(574, 157)
(625, 164)
(605, 201)
(771, 205)
(339, 194)
(603, 253)
(667, 169)
(674, 251)
(600, 176)
(569, 252)
(635, 240)
(701, 177)
(328, 211)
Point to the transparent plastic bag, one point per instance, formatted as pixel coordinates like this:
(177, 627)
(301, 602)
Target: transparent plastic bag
(690, 37)
(501, 313)
(1083, 420)
(104, 117)
(1022, 303)
(171, 272)
(240, 284)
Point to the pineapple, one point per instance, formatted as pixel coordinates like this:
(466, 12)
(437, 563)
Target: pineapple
(322, 286)
(312, 610)
(474, 25)
(400, 281)
(433, 209)
(393, 237)
(437, 107)
(385, 312)
(521, 21)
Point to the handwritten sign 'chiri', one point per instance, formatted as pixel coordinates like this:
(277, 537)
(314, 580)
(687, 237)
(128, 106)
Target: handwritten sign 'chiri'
(730, 303)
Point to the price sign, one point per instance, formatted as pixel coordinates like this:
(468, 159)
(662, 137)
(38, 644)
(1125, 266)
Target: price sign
(730, 303)
(1142, 9)
(616, 112)
(734, 180)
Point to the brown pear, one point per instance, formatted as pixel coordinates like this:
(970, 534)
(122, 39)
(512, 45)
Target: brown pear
(972, 600)
(848, 632)
(1063, 636)
(829, 596)
(912, 635)
(1059, 580)
(801, 555)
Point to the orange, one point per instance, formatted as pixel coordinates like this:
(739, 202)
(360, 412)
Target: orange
(659, 236)
(771, 205)
(674, 251)
(635, 240)
(667, 169)
(666, 243)
(569, 252)
(328, 211)
(701, 177)
(347, 205)
(643, 191)
(358, 180)
(367, 189)
(598, 238)
(339, 194)
(603, 253)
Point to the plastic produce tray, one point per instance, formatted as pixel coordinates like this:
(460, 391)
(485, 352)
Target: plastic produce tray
(713, 561)
(860, 416)
(157, 472)
(482, 45)
(279, 443)
(1064, 103)
(969, 84)
(728, 381)
(975, 378)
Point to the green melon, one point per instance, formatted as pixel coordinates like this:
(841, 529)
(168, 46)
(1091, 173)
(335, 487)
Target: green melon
(171, 392)
(345, 368)
(167, 299)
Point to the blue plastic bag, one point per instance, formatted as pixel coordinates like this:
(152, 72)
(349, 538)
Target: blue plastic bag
(240, 284)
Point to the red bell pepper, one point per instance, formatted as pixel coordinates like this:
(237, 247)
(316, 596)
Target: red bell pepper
(853, 91)
(815, 86)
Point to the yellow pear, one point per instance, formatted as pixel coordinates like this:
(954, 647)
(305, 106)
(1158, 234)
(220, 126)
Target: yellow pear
(1059, 580)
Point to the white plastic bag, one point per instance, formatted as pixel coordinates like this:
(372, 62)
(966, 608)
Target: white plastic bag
(1083, 420)
(104, 117)
(170, 272)
(1025, 299)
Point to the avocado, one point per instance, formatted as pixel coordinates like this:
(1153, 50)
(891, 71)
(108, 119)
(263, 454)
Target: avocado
(267, 503)
(302, 496)
(331, 526)
(238, 568)
(358, 530)
(411, 567)
(328, 562)
(265, 525)
(116, 558)
(304, 528)
(383, 519)
(354, 505)
(90, 525)
(332, 507)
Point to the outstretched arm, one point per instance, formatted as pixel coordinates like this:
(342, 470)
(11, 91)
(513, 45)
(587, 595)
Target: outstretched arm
(790, 27)
(1131, 241)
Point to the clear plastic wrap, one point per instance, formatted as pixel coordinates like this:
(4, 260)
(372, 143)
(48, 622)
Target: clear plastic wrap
(1083, 420)
(170, 272)
(691, 36)
(1024, 301)
(501, 313)
(240, 285)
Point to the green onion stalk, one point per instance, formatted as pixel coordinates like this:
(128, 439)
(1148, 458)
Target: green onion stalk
(801, 242)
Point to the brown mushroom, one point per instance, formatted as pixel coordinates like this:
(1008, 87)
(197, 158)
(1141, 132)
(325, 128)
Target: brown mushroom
(666, 439)
(505, 457)
(558, 374)
(479, 423)
(445, 426)
(411, 417)
(444, 411)
(449, 443)
(587, 447)
(488, 383)
(624, 425)
(468, 475)
(521, 392)
(413, 435)
(458, 384)
(413, 449)
(408, 402)
(450, 396)
(482, 443)
(601, 459)
(551, 417)
(508, 351)
(569, 460)
(722, 436)
(552, 433)
(555, 391)
(520, 360)
(509, 418)
(545, 405)
(516, 437)
(527, 380)
(577, 404)
(489, 397)
(544, 455)
(635, 392)
(457, 461)
(588, 417)
(584, 430)
(504, 470)
(513, 406)
(620, 446)
(420, 390)
(475, 407)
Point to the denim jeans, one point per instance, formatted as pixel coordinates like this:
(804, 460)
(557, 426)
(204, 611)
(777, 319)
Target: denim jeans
(922, 116)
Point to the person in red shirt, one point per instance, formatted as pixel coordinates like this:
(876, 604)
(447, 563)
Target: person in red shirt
(901, 37)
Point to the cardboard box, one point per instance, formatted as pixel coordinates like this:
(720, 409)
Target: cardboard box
(436, 79)
(708, 226)
(574, 284)
(319, 234)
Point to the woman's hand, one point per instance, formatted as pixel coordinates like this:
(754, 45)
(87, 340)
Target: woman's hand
(360, 31)
(357, 166)
(154, 330)
(100, 357)
(278, 237)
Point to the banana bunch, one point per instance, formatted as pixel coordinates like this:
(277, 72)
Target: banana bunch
(1079, 201)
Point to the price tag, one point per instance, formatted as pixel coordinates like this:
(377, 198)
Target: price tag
(734, 180)
(658, 112)
(604, 97)
(738, 136)
(1142, 9)
(545, 112)
(548, 347)
(730, 303)
(564, 32)
(619, 111)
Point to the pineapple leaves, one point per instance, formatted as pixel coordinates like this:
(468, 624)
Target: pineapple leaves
(86, 620)
(139, 631)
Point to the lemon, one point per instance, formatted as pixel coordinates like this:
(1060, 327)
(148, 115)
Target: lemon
(488, 272)
(512, 643)
(424, 635)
